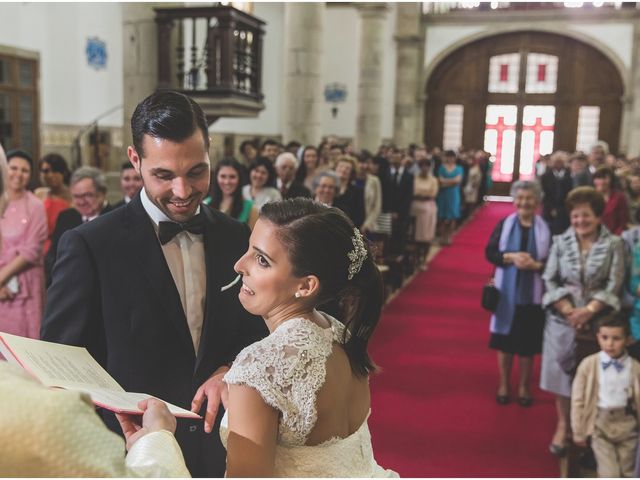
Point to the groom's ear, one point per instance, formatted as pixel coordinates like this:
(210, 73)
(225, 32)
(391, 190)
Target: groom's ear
(309, 286)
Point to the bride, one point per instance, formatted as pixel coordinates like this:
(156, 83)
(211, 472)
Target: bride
(299, 400)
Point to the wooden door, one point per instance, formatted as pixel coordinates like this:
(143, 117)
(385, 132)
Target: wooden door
(571, 74)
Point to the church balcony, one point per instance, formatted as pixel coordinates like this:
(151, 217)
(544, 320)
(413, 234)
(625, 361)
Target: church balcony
(445, 12)
(213, 55)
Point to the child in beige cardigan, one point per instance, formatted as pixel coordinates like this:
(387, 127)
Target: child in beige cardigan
(605, 400)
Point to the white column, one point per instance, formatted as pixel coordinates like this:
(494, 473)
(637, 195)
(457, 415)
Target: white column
(629, 137)
(302, 113)
(407, 111)
(140, 59)
(370, 97)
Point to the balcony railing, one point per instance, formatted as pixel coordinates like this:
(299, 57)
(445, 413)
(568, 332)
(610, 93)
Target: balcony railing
(432, 8)
(213, 54)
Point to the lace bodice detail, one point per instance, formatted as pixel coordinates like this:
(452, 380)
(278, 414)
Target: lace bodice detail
(288, 368)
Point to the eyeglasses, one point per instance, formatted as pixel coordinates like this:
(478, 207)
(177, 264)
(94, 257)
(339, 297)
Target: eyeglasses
(45, 170)
(84, 196)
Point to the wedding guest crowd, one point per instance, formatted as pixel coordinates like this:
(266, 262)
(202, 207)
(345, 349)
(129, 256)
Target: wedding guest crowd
(589, 288)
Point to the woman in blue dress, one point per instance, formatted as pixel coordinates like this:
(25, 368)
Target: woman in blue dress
(448, 199)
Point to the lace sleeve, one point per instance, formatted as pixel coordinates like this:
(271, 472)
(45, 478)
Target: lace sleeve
(255, 367)
(287, 369)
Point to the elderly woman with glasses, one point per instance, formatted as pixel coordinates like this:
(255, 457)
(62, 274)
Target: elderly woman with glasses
(518, 247)
(23, 228)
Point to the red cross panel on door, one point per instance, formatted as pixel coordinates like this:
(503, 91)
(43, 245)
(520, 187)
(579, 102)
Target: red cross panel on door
(500, 139)
(538, 123)
(542, 73)
(504, 71)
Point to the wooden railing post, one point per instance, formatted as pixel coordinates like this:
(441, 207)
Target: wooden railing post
(164, 52)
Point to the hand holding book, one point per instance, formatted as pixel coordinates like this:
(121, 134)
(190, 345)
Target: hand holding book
(73, 368)
(156, 417)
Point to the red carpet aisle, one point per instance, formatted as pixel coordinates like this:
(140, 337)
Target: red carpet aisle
(433, 407)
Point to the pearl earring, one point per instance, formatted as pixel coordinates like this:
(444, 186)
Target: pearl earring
(297, 295)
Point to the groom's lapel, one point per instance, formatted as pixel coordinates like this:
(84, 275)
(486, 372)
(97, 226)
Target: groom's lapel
(214, 254)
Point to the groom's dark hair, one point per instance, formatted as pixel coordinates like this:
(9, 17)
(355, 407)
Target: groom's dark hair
(167, 115)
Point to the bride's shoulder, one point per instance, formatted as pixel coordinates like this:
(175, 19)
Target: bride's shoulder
(291, 346)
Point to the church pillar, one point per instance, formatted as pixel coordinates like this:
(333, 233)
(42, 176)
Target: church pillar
(140, 60)
(370, 97)
(629, 138)
(407, 108)
(304, 26)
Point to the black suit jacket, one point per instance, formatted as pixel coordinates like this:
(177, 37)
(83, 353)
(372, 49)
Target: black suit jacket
(401, 194)
(296, 190)
(351, 202)
(119, 204)
(67, 220)
(113, 293)
(555, 193)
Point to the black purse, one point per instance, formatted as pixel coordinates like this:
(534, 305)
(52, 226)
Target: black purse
(490, 296)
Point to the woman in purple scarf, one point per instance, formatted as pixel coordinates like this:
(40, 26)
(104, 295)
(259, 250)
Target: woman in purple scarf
(518, 247)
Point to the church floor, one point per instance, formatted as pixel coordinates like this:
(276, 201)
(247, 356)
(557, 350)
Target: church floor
(433, 408)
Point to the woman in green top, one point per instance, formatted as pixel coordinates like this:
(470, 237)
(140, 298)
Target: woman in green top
(226, 193)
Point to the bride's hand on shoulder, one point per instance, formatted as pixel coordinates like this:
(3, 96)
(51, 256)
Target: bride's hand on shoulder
(215, 391)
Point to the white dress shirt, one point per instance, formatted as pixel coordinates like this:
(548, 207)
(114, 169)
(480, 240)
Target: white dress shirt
(400, 171)
(185, 257)
(614, 386)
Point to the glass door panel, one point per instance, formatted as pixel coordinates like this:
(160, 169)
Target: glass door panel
(538, 123)
(500, 139)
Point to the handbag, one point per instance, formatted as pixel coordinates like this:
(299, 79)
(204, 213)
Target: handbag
(383, 223)
(490, 296)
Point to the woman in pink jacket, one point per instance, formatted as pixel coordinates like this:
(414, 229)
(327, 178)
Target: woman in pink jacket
(23, 230)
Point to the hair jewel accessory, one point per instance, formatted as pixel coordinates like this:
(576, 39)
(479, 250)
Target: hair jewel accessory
(357, 255)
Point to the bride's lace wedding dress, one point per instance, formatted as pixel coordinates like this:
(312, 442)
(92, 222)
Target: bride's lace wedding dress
(288, 369)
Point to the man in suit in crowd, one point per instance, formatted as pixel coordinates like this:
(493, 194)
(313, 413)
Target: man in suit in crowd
(401, 195)
(150, 289)
(580, 174)
(269, 149)
(286, 166)
(88, 192)
(556, 184)
(130, 183)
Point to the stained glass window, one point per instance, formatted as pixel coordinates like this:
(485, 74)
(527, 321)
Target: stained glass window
(500, 139)
(5, 121)
(5, 72)
(504, 71)
(18, 103)
(26, 122)
(538, 123)
(588, 126)
(452, 135)
(542, 73)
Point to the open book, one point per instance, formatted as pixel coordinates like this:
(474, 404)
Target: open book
(73, 368)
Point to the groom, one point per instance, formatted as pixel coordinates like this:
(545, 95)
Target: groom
(149, 289)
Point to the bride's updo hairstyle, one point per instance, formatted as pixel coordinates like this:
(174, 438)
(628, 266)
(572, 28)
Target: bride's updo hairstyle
(319, 240)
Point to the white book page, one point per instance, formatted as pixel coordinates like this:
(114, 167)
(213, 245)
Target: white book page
(57, 365)
(73, 368)
(127, 402)
(6, 354)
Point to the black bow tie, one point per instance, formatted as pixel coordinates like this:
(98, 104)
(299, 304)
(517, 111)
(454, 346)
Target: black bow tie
(168, 230)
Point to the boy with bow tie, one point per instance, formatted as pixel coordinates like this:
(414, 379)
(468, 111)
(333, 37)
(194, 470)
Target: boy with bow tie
(605, 400)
